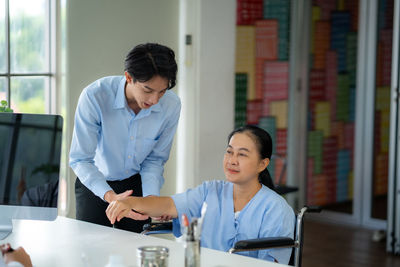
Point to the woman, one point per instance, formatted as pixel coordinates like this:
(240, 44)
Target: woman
(242, 207)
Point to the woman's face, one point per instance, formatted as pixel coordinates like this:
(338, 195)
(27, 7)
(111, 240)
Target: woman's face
(242, 162)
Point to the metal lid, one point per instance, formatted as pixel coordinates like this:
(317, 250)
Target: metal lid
(152, 252)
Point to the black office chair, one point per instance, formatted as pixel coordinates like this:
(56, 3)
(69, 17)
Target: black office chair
(256, 244)
(157, 228)
(280, 187)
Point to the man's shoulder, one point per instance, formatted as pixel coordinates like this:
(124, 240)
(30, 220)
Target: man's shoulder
(170, 98)
(104, 84)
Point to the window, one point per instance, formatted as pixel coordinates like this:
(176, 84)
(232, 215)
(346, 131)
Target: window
(27, 55)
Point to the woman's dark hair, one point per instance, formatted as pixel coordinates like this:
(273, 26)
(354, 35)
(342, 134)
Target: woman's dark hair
(263, 142)
(145, 61)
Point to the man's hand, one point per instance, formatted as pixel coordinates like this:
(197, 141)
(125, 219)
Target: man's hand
(111, 196)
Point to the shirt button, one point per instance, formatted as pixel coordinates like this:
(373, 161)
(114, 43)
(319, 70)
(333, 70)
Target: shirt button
(129, 156)
(126, 172)
(131, 137)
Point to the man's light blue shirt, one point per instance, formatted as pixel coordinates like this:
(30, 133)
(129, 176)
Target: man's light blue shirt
(110, 142)
(267, 214)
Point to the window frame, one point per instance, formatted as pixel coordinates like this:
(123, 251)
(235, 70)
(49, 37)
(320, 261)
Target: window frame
(50, 90)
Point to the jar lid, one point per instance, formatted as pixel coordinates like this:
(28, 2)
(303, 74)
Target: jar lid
(152, 252)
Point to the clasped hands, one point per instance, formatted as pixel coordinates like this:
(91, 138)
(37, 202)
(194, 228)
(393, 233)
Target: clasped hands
(119, 208)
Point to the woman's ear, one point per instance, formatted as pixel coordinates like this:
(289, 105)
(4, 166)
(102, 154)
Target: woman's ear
(264, 163)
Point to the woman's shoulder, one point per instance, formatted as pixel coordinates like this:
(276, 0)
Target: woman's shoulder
(274, 201)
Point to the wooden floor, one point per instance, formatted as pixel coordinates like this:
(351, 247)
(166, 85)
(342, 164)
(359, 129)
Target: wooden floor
(343, 246)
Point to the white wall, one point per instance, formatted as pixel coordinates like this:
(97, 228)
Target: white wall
(99, 35)
(216, 97)
(207, 82)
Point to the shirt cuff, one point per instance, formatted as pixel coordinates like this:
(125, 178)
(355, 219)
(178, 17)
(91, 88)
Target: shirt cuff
(176, 227)
(180, 202)
(99, 188)
(150, 186)
(92, 178)
(14, 264)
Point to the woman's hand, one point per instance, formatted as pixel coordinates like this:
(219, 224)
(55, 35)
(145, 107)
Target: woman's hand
(116, 210)
(111, 196)
(119, 209)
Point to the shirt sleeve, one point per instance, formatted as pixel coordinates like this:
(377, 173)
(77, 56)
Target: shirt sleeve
(10, 264)
(190, 204)
(152, 168)
(84, 143)
(282, 220)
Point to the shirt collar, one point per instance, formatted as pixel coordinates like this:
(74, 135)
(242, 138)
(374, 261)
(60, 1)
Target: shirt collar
(120, 98)
(156, 107)
(146, 112)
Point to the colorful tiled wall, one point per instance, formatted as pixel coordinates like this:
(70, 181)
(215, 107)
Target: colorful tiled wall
(331, 101)
(262, 53)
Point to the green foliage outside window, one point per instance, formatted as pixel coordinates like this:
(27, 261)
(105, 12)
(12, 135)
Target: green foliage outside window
(4, 107)
(28, 54)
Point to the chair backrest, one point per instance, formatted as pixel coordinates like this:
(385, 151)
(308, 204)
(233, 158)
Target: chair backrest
(280, 185)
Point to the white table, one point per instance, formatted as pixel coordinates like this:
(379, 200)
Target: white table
(64, 241)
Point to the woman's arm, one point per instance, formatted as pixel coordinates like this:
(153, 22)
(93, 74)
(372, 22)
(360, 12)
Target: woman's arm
(152, 206)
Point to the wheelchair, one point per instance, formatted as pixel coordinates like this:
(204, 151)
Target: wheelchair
(256, 244)
(280, 242)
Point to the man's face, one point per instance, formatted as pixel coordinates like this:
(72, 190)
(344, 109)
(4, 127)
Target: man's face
(145, 94)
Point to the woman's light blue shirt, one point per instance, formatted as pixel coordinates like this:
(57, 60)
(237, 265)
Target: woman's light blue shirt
(110, 142)
(266, 215)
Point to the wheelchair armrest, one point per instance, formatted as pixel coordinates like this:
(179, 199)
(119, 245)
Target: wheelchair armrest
(157, 228)
(263, 243)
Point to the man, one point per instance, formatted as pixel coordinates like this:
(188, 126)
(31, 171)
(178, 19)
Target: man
(124, 128)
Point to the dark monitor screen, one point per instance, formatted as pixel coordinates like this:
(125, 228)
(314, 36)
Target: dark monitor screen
(30, 152)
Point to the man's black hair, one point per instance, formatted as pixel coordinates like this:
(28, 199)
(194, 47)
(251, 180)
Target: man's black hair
(145, 61)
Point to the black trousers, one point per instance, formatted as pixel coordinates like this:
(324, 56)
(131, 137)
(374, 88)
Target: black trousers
(91, 208)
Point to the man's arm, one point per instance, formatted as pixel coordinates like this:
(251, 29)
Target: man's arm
(84, 143)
